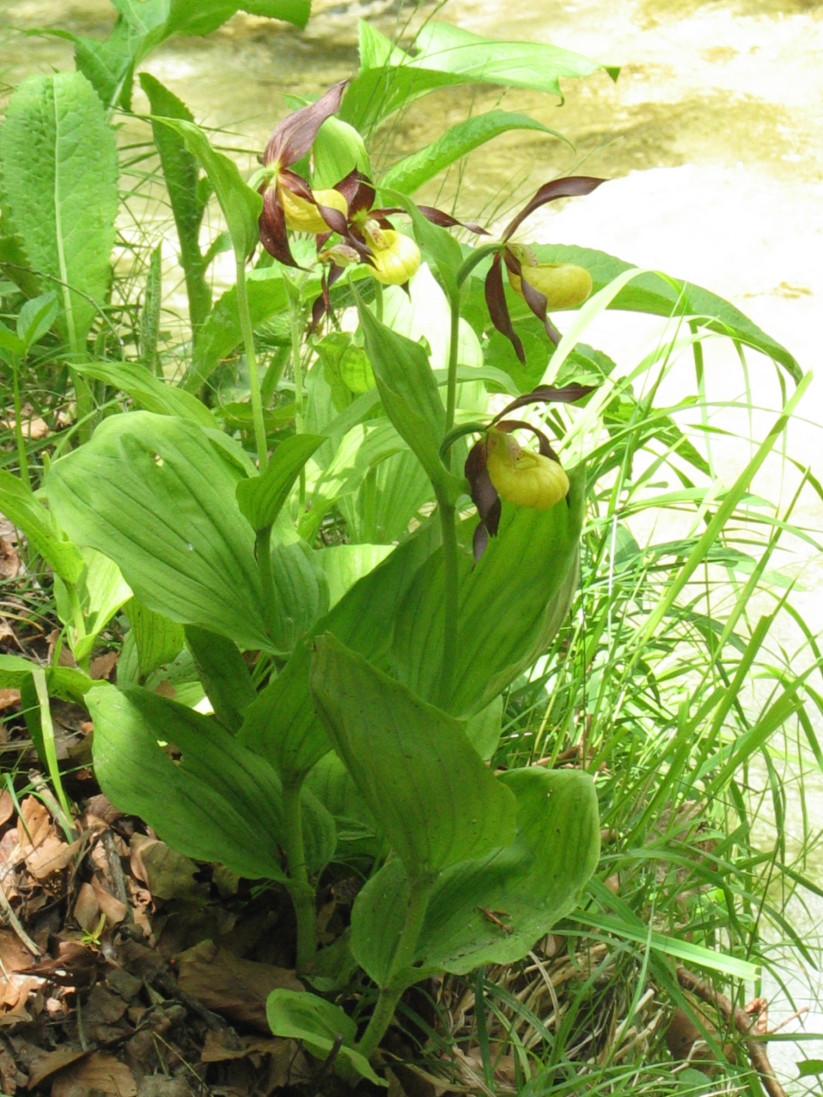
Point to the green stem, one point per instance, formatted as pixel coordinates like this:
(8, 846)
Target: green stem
(451, 597)
(22, 454)
(262, 550)
(398, 979)
(299, 887)
(454, 346)
(247, 331)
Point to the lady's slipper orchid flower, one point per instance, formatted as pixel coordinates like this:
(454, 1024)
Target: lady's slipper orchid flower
(288, 201)
(542, 286)
(499, 468)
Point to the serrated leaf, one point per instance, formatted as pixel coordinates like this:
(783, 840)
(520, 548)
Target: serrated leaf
(240, 204)
(181, 174)
(59, 181)
(426, 786)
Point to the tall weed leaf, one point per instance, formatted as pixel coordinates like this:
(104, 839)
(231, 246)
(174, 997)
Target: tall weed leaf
(59, 183)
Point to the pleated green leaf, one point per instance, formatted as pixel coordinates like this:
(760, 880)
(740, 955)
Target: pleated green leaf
(424, 783)
(261, 497)
(218, 802)
(511, 604)
(492, 909)
(19, 504)
(157, 495)
(282, 724)
(320, 1025)
(59, 182)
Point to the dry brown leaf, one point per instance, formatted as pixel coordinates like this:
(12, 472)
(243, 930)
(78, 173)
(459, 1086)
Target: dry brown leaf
(114, 910)
(232, 986)
(101, 1072)
(219, 1046)
(6, 798)
(48, 1064)
(45, 852)
(167, 874)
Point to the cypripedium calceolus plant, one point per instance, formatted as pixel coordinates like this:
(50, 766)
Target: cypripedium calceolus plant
(288, 201)
(290, 204)
(543, 286)
(499, 468)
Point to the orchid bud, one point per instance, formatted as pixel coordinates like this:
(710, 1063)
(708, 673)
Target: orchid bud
(304, 216)
(564, 285)
(521, 476)
(394, 258)
(342, 255)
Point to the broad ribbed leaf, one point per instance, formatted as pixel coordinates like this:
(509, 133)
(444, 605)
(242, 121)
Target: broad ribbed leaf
(224, 673)
(18, 503)
(261, 498)
(218, 802)
(447, 56)
(412, 172)
(149, 392)
(656, 294)
(59, 183)
(157, 496)
(408, 391)
(319, 1025)
(282, 724)
(424, 783)
(511, 604)
(527, 885)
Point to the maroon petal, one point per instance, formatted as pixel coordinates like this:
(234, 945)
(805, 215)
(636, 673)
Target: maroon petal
(294, 136)
(498, 309)
(569, 187)
(543, 443)
(446, 221)
(272, 226)
(547, 394)
(484, 496)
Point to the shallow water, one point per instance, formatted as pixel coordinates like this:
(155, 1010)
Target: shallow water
(712, 137)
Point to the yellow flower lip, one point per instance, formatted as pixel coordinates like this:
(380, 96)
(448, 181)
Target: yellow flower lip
(395, 257)
(521, 476)
(564, 285)
(304, 216)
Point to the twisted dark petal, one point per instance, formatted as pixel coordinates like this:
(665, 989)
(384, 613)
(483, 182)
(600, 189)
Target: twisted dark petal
(272, 226)
(446, 221)
(294, 136)
(484, 496)
(569, 187)
(498, 309)
(547, 394)
(543, 443)
(333, 218)
(363, 196)
(322, 304)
